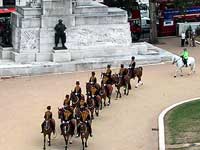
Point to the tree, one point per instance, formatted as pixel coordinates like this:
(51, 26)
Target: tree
(153, 25)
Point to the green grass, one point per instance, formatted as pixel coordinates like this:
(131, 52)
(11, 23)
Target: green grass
(182, 124)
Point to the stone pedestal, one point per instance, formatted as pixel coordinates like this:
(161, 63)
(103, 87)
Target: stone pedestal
(61, 56)
(5, 52)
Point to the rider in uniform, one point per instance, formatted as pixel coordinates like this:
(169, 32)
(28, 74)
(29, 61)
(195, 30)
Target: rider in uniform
(83, 108)
(93, 79)
(67, 109)
(49, 116)
(77, 89)
(185, 56)
(122, 72)
(66, 101)
(108, 74)
(132, 64)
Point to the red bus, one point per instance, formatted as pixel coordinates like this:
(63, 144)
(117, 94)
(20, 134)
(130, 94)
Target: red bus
(170, 15)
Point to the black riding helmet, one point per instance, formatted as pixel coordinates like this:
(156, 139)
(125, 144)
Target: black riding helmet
(108, 66)
(122, 65)
(133, 57)
(93, 73)
(77, 82)
(48, 107)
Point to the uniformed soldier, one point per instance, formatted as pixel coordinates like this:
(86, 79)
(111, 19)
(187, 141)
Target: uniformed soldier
(122, 72)
(68, 115)
(66, 101)
(93, 79)
(87, 120)
(133, 63)
(77, 89)
(49, 116)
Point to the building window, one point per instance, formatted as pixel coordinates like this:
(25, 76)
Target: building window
(8, 3)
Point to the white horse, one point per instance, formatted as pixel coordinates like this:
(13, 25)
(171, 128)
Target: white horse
(179, 64)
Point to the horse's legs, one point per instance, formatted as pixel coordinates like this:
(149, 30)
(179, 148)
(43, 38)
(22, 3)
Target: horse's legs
(181, 72)
(127, 88)
(109, 97)
(104, 101)
(70, 139)
(176, 73)
(83, 143)
(44, 147)
(86, 142)
(49, 141)
(66, 142)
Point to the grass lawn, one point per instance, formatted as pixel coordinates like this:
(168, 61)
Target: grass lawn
(198, 38)
(182, 124)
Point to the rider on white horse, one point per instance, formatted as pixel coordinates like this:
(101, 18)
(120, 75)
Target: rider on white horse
(184, 56)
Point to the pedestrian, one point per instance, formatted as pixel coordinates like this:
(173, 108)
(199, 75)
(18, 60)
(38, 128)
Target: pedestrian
(182, 39)
(193, 39)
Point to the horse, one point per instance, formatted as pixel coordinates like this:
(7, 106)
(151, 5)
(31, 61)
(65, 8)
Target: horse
(91, 104)
(67, 128)
(75, 99)
(179, 64)
(121, 82)
(89, 85)
(47, 130)
(84, 130)
(137, 72)
(106, 92)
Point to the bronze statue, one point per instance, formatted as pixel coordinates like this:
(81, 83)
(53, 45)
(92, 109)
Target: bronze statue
(6, 34)
(60, 28)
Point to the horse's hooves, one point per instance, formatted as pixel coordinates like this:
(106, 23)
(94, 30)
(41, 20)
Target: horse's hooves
(136, 87)
(44, 148)
(174, 76)
(86, 146)
(181, 75)
(70, 142)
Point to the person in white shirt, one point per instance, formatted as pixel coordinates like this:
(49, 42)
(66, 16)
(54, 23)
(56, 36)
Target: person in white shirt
(182, 39)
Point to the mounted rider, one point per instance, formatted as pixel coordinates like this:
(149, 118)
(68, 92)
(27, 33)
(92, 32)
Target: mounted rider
(184, 56)
(77, 89)
(68, 115)
(132, 64)
(84, 118)
(108, 74)
(122, 72)
(66, 101)
(93, 79)
(49, 116)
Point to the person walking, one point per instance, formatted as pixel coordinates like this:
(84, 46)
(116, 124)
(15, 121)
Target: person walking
(182, 39)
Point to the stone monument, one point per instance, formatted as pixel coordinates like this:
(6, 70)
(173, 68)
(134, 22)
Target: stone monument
(93, 30)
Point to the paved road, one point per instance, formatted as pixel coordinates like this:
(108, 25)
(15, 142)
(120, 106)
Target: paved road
(125, 125)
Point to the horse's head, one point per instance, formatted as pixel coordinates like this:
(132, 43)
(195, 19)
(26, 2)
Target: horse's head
(83, 128)
(66, 127)
(47, 125)
(74, 98)
(175, 59)
(60, 113)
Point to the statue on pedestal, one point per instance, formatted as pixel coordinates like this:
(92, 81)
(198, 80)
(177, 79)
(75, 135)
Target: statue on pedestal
(7, 34)
(60, 34)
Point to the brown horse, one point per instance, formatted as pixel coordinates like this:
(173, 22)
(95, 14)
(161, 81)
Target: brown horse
(75, 99)
(106, 92)
(84, 130)
(122, 82)
(90, 104)
(137, 72)
(67, 128)
(47, 130)
(89, 85)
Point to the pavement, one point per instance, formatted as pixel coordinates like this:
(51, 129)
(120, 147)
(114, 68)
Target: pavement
(130, 123)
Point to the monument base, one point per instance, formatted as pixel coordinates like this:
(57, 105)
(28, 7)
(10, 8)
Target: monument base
(61, 56)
